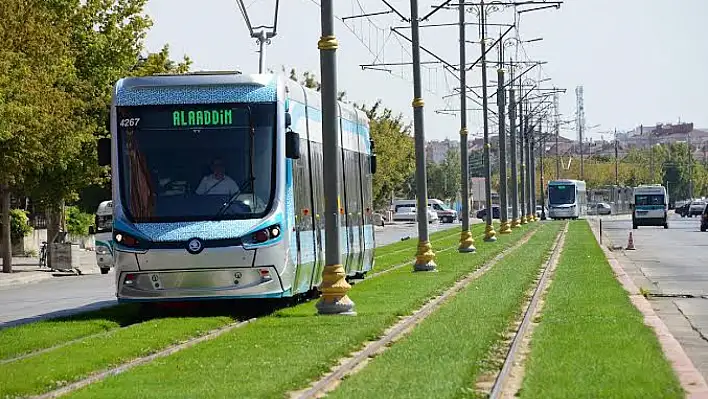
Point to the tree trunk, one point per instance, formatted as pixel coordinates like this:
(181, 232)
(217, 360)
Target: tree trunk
(6, 246)
(54, 227)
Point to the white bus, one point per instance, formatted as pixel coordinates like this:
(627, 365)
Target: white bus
(567, 199)
(650, 206)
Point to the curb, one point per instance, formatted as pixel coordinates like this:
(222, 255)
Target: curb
(690, 378)
(35, 277)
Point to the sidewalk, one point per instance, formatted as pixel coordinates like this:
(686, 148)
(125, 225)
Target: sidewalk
(26, 269)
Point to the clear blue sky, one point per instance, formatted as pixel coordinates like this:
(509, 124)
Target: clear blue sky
(640, 61)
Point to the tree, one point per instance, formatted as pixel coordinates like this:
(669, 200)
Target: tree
(395, 152)
(58, 62)
(36, 110)
(444, 179)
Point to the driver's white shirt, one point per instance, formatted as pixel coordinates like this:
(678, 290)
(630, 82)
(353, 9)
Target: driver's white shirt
(211, 185)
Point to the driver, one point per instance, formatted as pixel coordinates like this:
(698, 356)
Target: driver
(217, 183)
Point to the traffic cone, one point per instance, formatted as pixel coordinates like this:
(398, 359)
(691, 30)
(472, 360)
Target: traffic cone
(630, 243)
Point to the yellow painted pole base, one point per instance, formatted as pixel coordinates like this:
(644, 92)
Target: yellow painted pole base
(523, 220)
(532, 218)
(505, 228)
(466, 242)
(516, 223)
(334, 299)
(424, 258)
(489, 234)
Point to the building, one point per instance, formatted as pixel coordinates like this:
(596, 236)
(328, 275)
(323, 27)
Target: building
(435, 151)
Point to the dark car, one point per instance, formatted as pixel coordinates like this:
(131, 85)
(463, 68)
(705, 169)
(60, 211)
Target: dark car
(482, 213)
(683, 209)
(704, 219)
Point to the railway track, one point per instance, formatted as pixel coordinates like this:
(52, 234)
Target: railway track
(357, 360)
(508, 379)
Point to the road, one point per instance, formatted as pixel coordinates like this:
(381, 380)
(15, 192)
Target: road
(672, 265)
(64, 295)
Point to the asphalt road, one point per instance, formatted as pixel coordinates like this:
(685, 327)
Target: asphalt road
(672, 265)
(64, 295)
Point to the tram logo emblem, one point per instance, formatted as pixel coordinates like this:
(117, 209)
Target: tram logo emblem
(194, 246)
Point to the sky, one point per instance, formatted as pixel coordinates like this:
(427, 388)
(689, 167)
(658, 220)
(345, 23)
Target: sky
(639, 61)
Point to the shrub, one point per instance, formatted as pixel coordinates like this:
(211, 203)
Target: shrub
(19, 224)
(77, 222)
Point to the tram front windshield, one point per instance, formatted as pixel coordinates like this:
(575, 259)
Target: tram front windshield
(561, 194)
(197, 162)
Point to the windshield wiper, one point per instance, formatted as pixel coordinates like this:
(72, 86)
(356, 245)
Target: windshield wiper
(251, 178)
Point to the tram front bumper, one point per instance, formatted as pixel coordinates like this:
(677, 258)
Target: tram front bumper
(242, 282)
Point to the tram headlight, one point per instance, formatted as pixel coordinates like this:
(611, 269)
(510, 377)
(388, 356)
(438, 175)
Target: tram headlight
(264, 235)
(126, 240)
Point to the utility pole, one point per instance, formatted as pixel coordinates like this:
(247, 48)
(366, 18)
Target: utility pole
(523, 127)
(532, 173)
(334, 286)
(503, 204)
(581, 127)
(466, 240)
(556, 121)
(515, 222)
(616, 160)
(424, 259)
(690, 166)
(529, 166)
(489, 233)
(542, 150)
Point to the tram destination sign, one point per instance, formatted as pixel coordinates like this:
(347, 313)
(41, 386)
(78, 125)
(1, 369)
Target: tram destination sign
(181, 117)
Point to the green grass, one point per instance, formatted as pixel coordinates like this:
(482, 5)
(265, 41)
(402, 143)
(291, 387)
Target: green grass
(26, 338)
(591, 341)
(32, 337)
(444, 355)
(53, 369)
(283, 352)
(439, 242)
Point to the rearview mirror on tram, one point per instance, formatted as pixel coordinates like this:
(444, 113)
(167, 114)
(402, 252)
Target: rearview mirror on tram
(292, 145)
(104, 151)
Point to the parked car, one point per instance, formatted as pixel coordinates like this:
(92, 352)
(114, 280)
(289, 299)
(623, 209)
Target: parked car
(410, 214)
(482, 213)
(541, 210)
(444, 212)
(704, 219)
(696, 208)
(683, 209)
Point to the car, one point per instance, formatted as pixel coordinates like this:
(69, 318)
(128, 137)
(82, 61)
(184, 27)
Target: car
(682, 210)
(704, 219)
(482, 213)
(540, 210)
(696, 208)
(604, 208)
(444, 212)
(410, 214)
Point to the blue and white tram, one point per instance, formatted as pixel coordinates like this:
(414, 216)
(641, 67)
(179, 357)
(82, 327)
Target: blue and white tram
(218, 189)
(567, 199)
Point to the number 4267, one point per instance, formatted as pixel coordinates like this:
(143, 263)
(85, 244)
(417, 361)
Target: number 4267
(129, 122)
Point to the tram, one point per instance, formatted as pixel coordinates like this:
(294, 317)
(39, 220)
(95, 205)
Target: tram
(567, 199)
(218, 187)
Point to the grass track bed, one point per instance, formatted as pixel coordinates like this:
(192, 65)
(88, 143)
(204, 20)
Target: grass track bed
(27, 338)
(52, 369)
(407, 253)
(442, 357)
(591, 341)
(283, 352)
